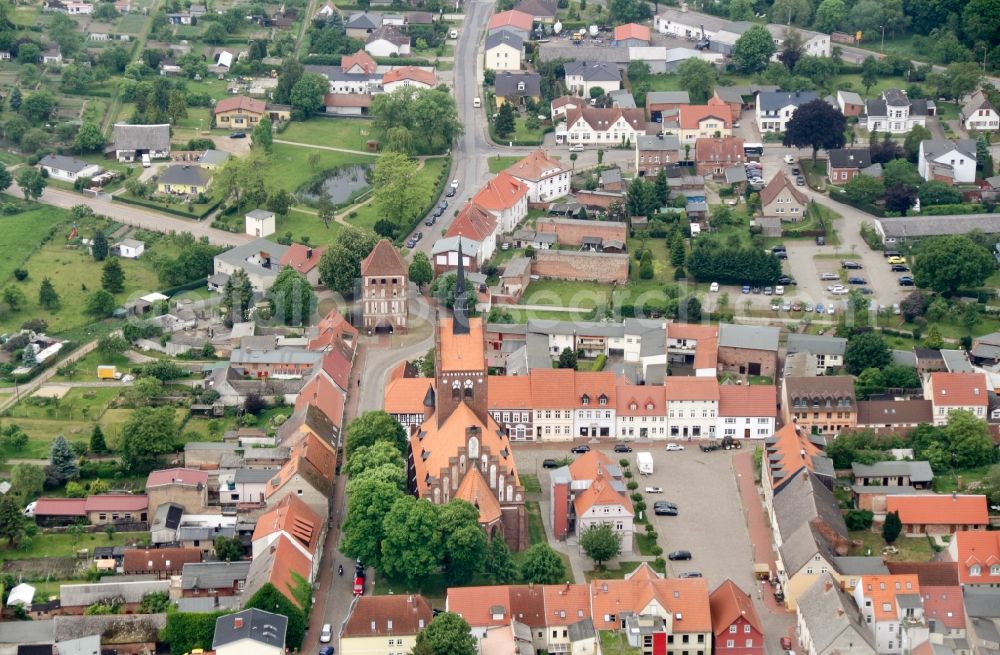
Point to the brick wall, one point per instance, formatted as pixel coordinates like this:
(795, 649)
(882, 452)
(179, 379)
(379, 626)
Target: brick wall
(739, 360)
(602, 199)
(571, 231)
(589, 266)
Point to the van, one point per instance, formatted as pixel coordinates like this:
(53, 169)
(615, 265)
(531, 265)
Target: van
(326, 634)
(476, 102)
(453, 34)
(145, 161)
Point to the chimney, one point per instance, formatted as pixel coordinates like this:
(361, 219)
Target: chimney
(309, 253)
(238, 623)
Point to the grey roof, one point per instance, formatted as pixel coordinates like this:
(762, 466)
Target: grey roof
(918, 471)
(860, 565)
(238, 255)
(729, 93)
(895, 98)
(27, 632)
(657, 142)
(850, 157)
(749, 336)
(850, 97)
(875, 170)
(936, 147)
(583, 328)
(508, 328)
(63, 163)
(508, 83)
(611, 176)
(910, 227)
(279, 355)
(622, 99)
(711, 23)
(537, 8)
(257, 625)
(167, 517)
(82, 595)
(208, 604)
(213, 575)
(213, 157)
(956, 361)
(184, 175)
(582, 629)
(130, 243)
(904, 358)
(593, 71)
(736, 174)
(89, 645)
(364, 21)
(253, 475)
(194, 446)
(833, 619)
(501, 37)
(775, 100)
(448, 244)
(819, 345)
(803, 501)
(680, 54)
(982, 602)
(141, 137)
(516, 267)
(668, 97)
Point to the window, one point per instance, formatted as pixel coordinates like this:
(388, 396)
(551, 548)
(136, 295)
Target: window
(730, 643)
(732, 629)
(975, 569)
(746, 629)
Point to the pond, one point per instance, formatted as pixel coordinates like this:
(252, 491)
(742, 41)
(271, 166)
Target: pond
(343, 183)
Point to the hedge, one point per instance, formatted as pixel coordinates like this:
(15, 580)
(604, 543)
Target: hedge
(166, 209)
(438, 190)
(947, 210)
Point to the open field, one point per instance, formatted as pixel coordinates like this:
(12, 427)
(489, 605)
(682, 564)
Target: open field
(498, 164)
(301, 223)
(80, 403)
(293, 162)
(41, 432)
(565, 293)
(911, 549)
(22, 233)
(350, 133)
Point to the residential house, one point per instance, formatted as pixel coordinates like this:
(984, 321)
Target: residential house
(474, 222)
(305, 260)
(358, 63)
(747, 411)
(509, 397)
(159, 562)
(250, 632)
(850, 103)
(67, 169)
(748, 350)
(944, 607)
(582, 76)
(260, 223)
(542, 11)
(939, 514)
(293, 519)
(552, 400)
(632, 35)
(446, 253)
(895, 113)
(514, 21)
(904, 473)
(239, 112)
(384, 287)
(545, 178)
(130, 248)
(780, 199)
(60, 511)
(506, 198)
(843, 164)
(775, 108)
(692, 406)
(732, 97)
(714, 155)
(702, 122)
(826, 404)
(503, 51)
(216, 579)
(361, 25)
(260, 259)
(738, 630)
(183, 179)
(978, 114)
(116, 509)
(828, 621)
(260, 357)
(654, 152)
(383, 625)
(185, 487)
(658, 102)
(953, 162)
(410, 76)
(517, 88)
(563, 104)
(284, 566)
(243, 488)
(825, 352)
(977, 554)
(593, 126)
(790, 451)
(52, 56)
(309, 474)
(957, 391)
(347, 104)
(387, 41)
(591, 492)
(130, 142)
(892, 608)
(641, 412)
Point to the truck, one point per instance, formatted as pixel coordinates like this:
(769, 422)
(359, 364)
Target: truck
(644, 462)
(108, 373)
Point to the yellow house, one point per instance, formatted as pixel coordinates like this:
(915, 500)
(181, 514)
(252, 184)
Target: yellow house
(183, 180)
(384, 625)
(239, 112)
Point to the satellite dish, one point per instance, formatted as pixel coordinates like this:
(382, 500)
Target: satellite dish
(557, 28)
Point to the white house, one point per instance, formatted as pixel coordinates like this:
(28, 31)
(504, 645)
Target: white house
(692, 406)
(67, 169)
(600, 503)
(506, 198)
(949, 161)
(260, 223)
(641, 412)
(503, 51)
(893, 610)
(747, 411)
(582, 76)
(775, 108)
(387, 41)
(591, 125)
(79, 8)
(978, 114)
(250, 632)
(595, 411)
(130, 248)
(895, 113)
(545, 178)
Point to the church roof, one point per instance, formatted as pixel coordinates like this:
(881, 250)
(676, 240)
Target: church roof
(476, 491)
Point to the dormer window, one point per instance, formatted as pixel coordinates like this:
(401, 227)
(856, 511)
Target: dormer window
(633, 407)
(995, 569)
(603, 399)
(585, 399)
(649, 407)
(975, 570)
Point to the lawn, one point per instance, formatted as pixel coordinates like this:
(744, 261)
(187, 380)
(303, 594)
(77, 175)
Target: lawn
(624, 569)
(41, 432)
(523, 134)
(967, 480)
(347, 133)
(85, 369)
(644, 543)
(565, 293)
(536, 527)
(66, 545)
(524, 315)
(499, 163)
(911, 549)
(80, 403)
(425, 180)
(22, 233)
(114, 419)
(530, 483)
(293, 164)
(615, 642)
(300, 223)
(130, 23)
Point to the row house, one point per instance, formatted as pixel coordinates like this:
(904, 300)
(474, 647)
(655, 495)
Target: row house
(892, 608)
(655, 152)
(736, 626)
(659, 102)
(291, 518)
(950, 392)
(692, 407)
(642, 411)
(828, 621)
(594, 126)
(506, 198)
(825, 404)
(775, 108)
(977, 555)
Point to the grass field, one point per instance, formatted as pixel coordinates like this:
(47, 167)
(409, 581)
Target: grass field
(564, 293)
(911, 549)
(334, 132)
(425, 180)
(41, 432)
(293, 163)
(615, 642)
(624, 568)
(498, 164)
(130, 23)
(23, 232)
(66, 545)
(86, 367)
(300, 224)
(81, 403)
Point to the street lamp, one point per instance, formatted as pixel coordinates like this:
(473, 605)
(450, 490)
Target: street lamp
(882, 48)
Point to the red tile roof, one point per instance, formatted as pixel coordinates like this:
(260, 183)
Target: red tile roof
(476, 491)
(375, 616)
(794, 451)
(959, 389)
(473, 222)
(691, 116)
(727, 150)
(977, 548)
(535, 166)
(406, 395)
(632, 31)
(325, 395)
(294, 518)
(641, 400)
(512, 18)
(337, 364)
(688, 597)
(691, 388)
(594, 385)
(61, 507)
(945, 605)
(384, 259)
(117, 503)
(302, 258)
(180, 476)
(159, 560)
(883, 589)
(288, 562)
(479, 605)
(242, 103)
(588, 465)
(775, 186)
(502, 192)
(728, 604)
(410, 73)
(552, 388)
(600, 492)
(332, 328)
(939, 509)
(360, 58)
(509, 392)
(748, 400)
(566, 603)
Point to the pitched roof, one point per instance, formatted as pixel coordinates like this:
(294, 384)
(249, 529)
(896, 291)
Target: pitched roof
(397, 615)
(830, 387)
(939, 509)
(632, 31)
(253, 624)
(313, 459)
(473, 222)
(600, 492)
(158, 560)
(410, 73)
(788, 452)
(976, 101)
(512, 18)
(504, 37)
(116, 503)
(690, 117)
(668, 98)
(321, 392)
(593, 71)
(141, 137)
(479, 605)
(774, 100)
(241, 103)
(748, 400)
(687, 597)
(900, 412)
(965, 389)
(384, 259)
(500, 193)
(508, 84)
(884, 590)
(930, 574)
(537, 8)
(727, 150)
(184, 174)
(776, 185)
(640, 400)
(729, 603)
(832, 617)
(347, 100)
(302, 258)
(977, 547)
(919, 471)
(206, 576)
(361, 59)
(331, 329)
(179, 476)
(279, 565)
(601, 120)
(63, 163)
(406, 395)
(308, 420)
(337, 362)
(592, 386)
(552, 388)
(566, 604)
(61, 507)
(535, 167)
(294, 518)
(476, 491)
(691, 388)
(850, 157)
(388, 33)
(589, 465)
(509, 392)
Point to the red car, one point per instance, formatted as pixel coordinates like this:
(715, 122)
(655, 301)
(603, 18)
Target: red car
(786, 643)
(359, 585)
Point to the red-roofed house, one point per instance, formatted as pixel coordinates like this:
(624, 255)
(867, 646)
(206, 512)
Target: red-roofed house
(358, 63)
(507, 199)
(185, 487)
(109, 509)
(283, 565)
(239, 112)
(887, 602)
(588, 492)
(324, 394)
(305, 260)
(938, 514)
(978, 556)
(545, 178)
(411, 76)
(641, 410)
(619, 603)
(747, 411)
(632, 34)
(782, 200)
(737, 628)
(703, 122)
(334, 329)
(161, 562)
(956, 391)
(941, 592)
(478, 224)
(514, 21)
(692, 406)
(713, 156)
(308, 474)
(293, 519)
(60, 511)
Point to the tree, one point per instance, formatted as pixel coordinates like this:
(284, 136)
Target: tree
(969, 440)
(88, 139)
(892, 527)
(601, 543)
(399, 139)
(291, 73)
(646, 266)
(816, 124)
(215, 34)
(741, 10)
(567, 358)
(397, 195)
(900, 198)
(374, 426)
(870, 381)
(830, 15)
(6, 179)
(938, 193)
(420, 270)
(369, 501)
(859, 519)
(237, 297)
(263, 137)
(32, 183)
(12, 521)
(628, 11)
(463, 542)
(911, 144)
(866, 350)
(27, 480)
(228, 549)
(900, 376)
(798, 12)
(864, 188)
(112, 276)
(15, 99)
(504, 124)
(38, 107)
(324, 208)
(678, 254)
(99, 248)
(100, 303)
(411, 543)
(946, 264)
(446, 634)
(900, 172)
(869, 71)
(753, 50)
(97, 443)
(308, 92)
(698, 77)
(499, 566)
(366, 458)
(146, 435)
(47, 296)
(340, 265)
(292, 298)
(254, 404)
(541, 565)
(270, 599)
(429, 115)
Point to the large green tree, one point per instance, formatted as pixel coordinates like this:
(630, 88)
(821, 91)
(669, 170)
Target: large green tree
(292, 299)
(12, 521)
(340, 266)
(32, 183)
(89, 138)
(279, 601)
(542, 565)
(830, 15)
(864, 188)
(420, 270)
(146, 435)
(698, 77)
(263, 137)
(27, 480)
(99, 249)
(446, 634)
(367, 458)
(47, 296)
(63, 460)
(113, 276)
(428, 114)
(237, 297)
(504, 122)
(411, 543)
(463, 542)
(753, 50)
(969, 440)
(100, 303)
(600, 542)
(499, 565)
(816, 124)
(374, 426)
(397, 195)
(369, 503)
(866, 350)
(948, 263)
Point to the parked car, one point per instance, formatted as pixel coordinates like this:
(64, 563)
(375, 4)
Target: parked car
(820, 309)
(746, 288)
(550, 463)
(820, 241)
(789, 159)
(238, 135)
(665, 511)
(450, 192)
(714, 287)
(787, 280)
(796, 171)
(654, 490)
(899, 268)
(865, 291)
(326, 650)
(856, 280)
(779, 290)
(796, 307)
(787, 306)
(786, 643)
(622, 448)
(896, 259)
(775, 305)
(777, 249)
(581, 449)
(326, 634)
(768, 291)
(709, 447)
(674, 446)
(443, 205)
(576, 147)
(890, 253)
(690, 574)
(430, 221)
(829, 276)
(905, 281)
(850, 265)
(800, 181)
(781, 254)
(411, 243)
(755, 290)
(679, 555)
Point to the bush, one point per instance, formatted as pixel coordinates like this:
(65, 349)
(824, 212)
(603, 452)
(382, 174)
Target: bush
(858, 519)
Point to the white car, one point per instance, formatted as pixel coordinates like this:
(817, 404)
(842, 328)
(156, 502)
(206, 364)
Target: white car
(714, 287)
(654, 490)
(789, 159)
(779, 290)
(576, 147)
(454, 34)
(326, 634)
(837, 290)
(674, 446)
(454, 184)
